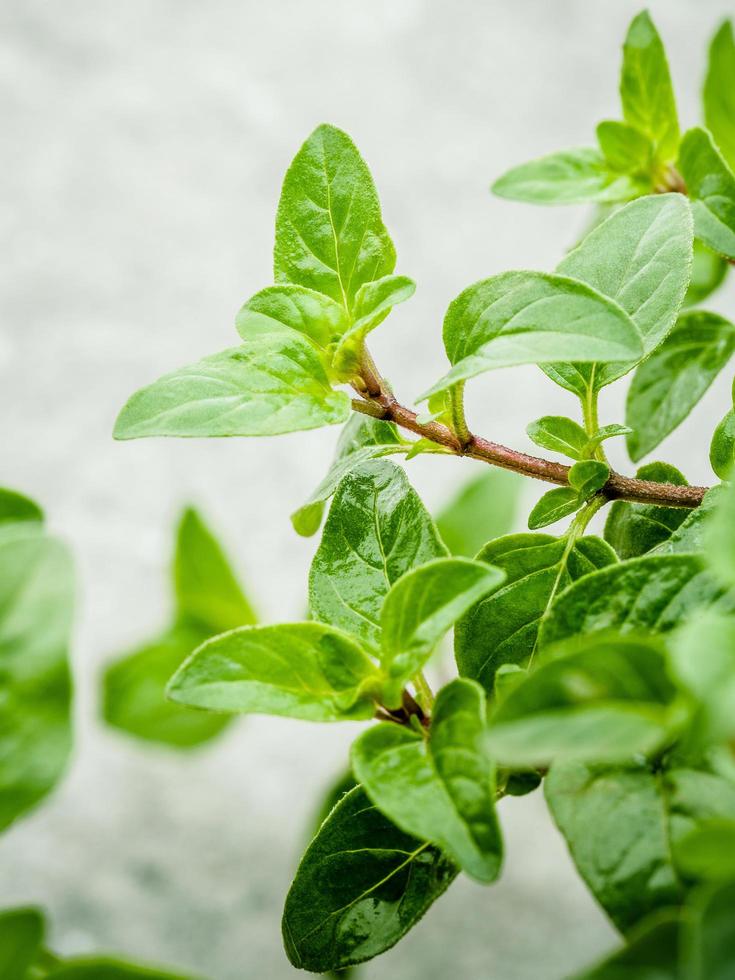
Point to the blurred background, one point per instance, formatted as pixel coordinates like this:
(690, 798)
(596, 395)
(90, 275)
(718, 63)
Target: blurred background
(143, 147)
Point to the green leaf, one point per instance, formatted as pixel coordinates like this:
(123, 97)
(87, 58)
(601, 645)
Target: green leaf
(15, 507)
(711, 188)
(362, 438)
(722, 447)
(373, 303)
(272, 383)
(209, 600)
(625, 149)
(599, 698)
(532, 318)
(588, 476)
(634, 529)
(330, 235)
(377, 530)
(645, 88)
(623, 827)
(135, 693)
(702, 655)
(606, 432)
(105, 968)
(423, 605)
(720, 537)
(483, 509)
(289, 307)
(21, 935)
(360, 887)
(708, 273)
(652, 594)
(207, 593)
(709, 951)
(668, 385)
(441, 788)
(689, 537)
(296, 670)
(36, 599)
(502, 628)
(651, 240)
(567, 177)
(652, 952)
(553, 506)
(708, 852)
(559, 435)
(719, 91)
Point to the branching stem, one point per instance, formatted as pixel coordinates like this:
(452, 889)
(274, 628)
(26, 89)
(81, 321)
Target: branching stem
(375, 392)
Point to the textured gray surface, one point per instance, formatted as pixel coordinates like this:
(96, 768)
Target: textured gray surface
(143, 144)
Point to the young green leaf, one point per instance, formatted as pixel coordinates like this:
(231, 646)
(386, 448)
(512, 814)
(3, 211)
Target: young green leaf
(330, 235)
(626, 150)
(719, 91)
(207, 593)
(711, 188)
(377, 530)
(362, 438)
(135, 699)
(599, 698)
(297, 670)
(604, 433)
(15, 507)
(722, 447)
(553, 506)
(652, 594)
(361, 885)
(423, 605)
(21, 935)
(568, 177)
(559, 435)
(373, 303)
(668, 385)
(651, 241)
(588, 476)
(635, 529)
(651, 953)
(36, 599)
(272, 383)
(440, 789)
(289, 307)
(483, 509)
(502, 628)
(646, 92)
(708, 273)
(532, 318)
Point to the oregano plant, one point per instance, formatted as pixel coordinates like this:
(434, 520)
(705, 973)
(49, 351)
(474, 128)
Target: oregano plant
(602, 667)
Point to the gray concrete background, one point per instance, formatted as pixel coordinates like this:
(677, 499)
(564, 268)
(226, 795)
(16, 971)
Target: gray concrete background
(143, 145)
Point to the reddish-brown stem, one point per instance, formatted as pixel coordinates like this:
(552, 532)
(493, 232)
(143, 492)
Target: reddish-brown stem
(618, 487)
